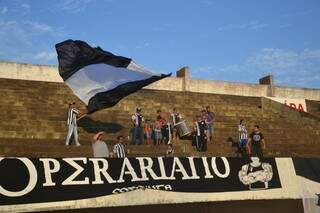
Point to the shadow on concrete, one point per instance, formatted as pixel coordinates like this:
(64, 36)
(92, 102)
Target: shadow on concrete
(233, 142)
(92, 126)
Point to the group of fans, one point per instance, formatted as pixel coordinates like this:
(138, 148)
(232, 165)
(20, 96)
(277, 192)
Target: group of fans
(252, 145)
(163, 130)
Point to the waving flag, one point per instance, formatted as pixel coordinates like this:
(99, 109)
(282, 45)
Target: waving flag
(99, 78)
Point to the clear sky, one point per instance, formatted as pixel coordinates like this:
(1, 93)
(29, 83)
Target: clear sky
(226, 40)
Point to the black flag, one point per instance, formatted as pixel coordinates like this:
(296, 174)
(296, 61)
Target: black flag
(99, 78)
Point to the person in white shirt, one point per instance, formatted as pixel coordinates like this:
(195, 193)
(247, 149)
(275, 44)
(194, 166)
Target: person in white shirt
(99, 147)
(72, 124)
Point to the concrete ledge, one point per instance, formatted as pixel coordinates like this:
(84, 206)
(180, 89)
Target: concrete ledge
(47, 73)
(29, 72)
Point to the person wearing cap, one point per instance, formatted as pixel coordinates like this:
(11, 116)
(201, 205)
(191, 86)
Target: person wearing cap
(99, 147)
(137, 121)
(72, 124)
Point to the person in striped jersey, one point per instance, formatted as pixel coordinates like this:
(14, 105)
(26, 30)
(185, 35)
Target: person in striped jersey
(72, 124)
(243, 137)
(119, 150)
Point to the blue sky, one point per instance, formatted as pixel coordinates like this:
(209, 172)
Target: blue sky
(238, 41)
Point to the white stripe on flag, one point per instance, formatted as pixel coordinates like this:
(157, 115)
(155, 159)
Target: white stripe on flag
(96, 78)
(135, 67)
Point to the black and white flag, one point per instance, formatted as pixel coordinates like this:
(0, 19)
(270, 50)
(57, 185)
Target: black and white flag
(99, 78)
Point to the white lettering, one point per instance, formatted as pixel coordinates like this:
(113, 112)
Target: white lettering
(159, 186)
(168, 188)
(193, 169)
(127, 164)
(162, 169)
(33, 178)
(48, 171)
(70, 180)
(131, 188)
(116, 191)
(206, 168)
(177, 163)
(98, 171)
(226, 166)
(148, 168)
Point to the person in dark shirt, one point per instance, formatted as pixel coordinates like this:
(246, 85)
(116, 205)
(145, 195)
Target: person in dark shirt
(159, 115)
(210, 116)
(201, 134)
(256, 143)
(175, 115)
(170, 151)
(137, 121)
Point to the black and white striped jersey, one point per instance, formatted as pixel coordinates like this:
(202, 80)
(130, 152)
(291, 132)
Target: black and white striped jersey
(72, 115)
(243, 134)
(119, 150)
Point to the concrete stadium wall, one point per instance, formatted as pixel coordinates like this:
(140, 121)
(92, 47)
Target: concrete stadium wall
(34, 72)
(171, 84)
(29, 72)
(229, 88)
(292, 92)
(23, 71)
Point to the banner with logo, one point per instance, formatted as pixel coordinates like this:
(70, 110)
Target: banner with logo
(37, 180)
